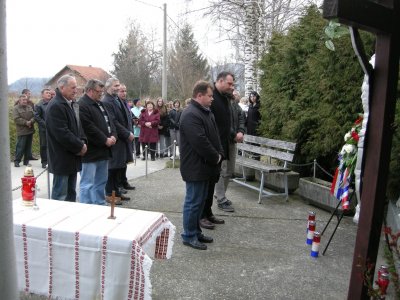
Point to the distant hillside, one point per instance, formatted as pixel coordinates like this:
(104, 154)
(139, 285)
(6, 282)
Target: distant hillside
(34, 84)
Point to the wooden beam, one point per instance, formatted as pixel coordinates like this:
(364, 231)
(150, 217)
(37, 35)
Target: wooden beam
(377, 158)
(362, 14)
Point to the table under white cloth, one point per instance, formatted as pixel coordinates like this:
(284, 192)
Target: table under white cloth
(71, 250)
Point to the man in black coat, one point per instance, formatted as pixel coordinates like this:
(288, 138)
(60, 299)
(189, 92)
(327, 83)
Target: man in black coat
(122, 95)
(201, 153)
(66, 142)
(122, 151)
(40, 117)
(224, 117)
(100, 133)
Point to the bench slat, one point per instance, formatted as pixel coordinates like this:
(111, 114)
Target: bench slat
(270, 142)
(258, 165)
(285, 156)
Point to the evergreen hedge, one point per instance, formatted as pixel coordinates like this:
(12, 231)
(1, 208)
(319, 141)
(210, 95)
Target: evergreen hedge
(312, 96)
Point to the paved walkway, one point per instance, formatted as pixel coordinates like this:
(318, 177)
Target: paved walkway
(134, 170)
(260, 253)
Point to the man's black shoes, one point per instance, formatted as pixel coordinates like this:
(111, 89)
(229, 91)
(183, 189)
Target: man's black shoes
(124, 198)
(213, 219)
(205, 239)
(196, 245)
(129, 187)
(205, 223)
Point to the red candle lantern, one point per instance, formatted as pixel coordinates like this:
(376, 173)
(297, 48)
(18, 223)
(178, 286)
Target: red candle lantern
(28, 187)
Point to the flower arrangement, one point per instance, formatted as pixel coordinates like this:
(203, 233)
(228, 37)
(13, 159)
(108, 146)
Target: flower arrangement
(348, 154)
(347, 163)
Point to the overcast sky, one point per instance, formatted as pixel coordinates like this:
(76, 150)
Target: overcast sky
(45, 35)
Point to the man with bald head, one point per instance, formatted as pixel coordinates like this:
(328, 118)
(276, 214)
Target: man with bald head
(65, 139)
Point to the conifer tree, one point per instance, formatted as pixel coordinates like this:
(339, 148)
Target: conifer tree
(186, 65)
(310, 94)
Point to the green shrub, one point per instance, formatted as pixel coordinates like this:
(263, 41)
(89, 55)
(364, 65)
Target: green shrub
(312, 95)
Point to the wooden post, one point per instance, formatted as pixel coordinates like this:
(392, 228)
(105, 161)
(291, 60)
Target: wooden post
(381, 17)
(112, 202)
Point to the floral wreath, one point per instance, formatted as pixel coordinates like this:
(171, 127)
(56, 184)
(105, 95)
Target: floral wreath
(347, 163)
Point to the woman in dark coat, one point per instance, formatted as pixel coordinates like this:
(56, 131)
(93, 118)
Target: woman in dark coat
(149, 121)
(253, 114)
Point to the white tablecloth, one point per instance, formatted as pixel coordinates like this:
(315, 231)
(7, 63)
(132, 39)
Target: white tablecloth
(73, 251)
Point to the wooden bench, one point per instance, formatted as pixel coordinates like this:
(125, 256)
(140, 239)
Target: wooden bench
(274, 156)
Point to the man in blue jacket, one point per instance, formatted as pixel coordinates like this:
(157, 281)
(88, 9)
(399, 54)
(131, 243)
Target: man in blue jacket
(201, 154)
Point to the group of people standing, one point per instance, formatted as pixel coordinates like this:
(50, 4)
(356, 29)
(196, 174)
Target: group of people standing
(99, 134)
(210, 127)
(96, 135)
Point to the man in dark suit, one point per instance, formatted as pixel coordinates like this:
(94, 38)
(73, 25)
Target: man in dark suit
(122, 95)
(40, 117)
(122, 151)
(66, 142)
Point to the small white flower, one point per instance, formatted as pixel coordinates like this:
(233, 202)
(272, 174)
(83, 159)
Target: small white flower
(347, 136)
(348, 148)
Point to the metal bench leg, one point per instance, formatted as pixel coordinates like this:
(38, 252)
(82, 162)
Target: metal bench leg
(286, 188)
(261, 187)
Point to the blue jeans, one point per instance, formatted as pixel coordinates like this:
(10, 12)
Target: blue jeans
(196, 193)
(93, 181)
(64, 187)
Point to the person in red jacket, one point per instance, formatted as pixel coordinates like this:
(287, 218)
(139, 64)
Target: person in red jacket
(149, 121)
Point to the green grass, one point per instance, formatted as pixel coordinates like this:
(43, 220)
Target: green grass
(169, 164)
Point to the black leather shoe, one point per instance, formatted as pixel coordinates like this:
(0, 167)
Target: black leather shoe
(26, 163)
(215, 220)
(124, 198)
(123, 191)
(16, 164)
(204, 223)
(205, 239)
(129, 187)
(196, 245)
(44, 165)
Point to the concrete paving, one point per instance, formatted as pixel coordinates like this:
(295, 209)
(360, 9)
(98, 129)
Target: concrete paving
(259, 253)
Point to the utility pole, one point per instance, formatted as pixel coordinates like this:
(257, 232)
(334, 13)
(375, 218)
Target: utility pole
(8, 286)
(164, 70)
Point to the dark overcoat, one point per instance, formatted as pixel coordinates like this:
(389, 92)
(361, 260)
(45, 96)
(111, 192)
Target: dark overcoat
(200, 144)
(96, 129)
(65, 137)
(253, 119)
(122, 151)
(222, 110)
(40, 114)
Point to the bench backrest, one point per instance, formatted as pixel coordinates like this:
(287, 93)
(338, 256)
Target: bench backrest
(280, 150)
